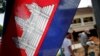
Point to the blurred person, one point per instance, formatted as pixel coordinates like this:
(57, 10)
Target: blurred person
(94, 31)
(66, 46)
(83, 38)
(75, 36)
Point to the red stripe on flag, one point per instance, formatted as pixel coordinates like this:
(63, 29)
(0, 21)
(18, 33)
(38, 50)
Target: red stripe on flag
(46, 29)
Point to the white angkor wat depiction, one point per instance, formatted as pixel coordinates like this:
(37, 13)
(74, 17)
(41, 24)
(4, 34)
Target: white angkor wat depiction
(33, 27)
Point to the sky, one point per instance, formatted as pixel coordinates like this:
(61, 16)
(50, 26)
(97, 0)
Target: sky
(1, 18)
(83, 3)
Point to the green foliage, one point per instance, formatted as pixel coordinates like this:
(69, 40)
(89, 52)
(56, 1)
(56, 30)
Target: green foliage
(1, 30)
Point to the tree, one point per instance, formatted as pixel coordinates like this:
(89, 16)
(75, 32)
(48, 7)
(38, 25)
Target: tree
(1, 30)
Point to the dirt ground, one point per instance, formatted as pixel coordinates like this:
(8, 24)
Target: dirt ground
(92, 48)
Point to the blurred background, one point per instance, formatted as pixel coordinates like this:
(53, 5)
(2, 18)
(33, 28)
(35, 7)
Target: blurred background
(84, 20)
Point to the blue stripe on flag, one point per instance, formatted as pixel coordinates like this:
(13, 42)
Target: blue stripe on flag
(59, 27)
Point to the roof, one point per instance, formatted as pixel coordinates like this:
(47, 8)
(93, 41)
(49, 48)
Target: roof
(87, 10)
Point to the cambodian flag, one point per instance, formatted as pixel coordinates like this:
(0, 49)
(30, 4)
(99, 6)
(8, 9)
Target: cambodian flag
(59, 27)
(36, 27)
